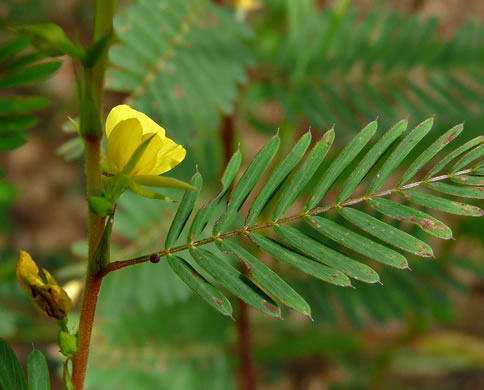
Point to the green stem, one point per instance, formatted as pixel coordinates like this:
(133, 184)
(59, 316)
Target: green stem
(103, 25)
(93, 90)
(246, 230)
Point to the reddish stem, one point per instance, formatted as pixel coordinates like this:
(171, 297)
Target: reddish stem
(247, 379)
(79, 363)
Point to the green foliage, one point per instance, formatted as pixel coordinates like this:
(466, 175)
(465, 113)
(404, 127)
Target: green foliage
(355, 67)
(185, 350)
(180, 62)
(11, 375)
(38, 371)
(424, 291)
(18, 69)
(263, 288)
(50, 38)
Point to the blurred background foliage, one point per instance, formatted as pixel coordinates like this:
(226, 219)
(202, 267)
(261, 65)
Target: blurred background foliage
(216, 76)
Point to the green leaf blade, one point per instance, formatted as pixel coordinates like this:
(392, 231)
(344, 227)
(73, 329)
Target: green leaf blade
(38, 372)
(247, 182)
(12, 124)
(29, 75)
(370, 159)
(201, 286)
(303, 263)
(468, 180)
(12, 47)
(357, 242)
(304, 174)
(184, 210)
(469, 157)
(12, 141)
(11, 375)
(408, 214)
(399, 154)
(340, 163)
(446, 205)
(454, 154)
(328, 256)
(267, 278)
(22, 104)
(279, 175)
(204, 213)
(462, 191)
(387, 233)
(430, 152)
(235, 282)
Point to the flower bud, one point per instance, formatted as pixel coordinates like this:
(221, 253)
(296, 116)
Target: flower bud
(49, 298)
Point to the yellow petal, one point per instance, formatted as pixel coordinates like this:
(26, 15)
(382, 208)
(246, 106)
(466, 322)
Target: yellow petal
(122, 142)
(149, 158)
(123, 112)
(169, 156)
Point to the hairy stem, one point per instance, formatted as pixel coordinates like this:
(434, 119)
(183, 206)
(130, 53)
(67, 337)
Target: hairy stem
(282, 221)
(92, 154)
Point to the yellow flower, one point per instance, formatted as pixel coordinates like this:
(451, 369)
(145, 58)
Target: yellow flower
(245, 6)
(49, 298)
(126, 129)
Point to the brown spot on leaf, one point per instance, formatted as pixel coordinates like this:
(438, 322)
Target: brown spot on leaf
(219, 302)
(413, 219)
(407, 196)
(463, 179)
(334, 276)
(124, 27)
(427, 223)
(452, 136)
(271, 308)
(402, 219)
(178, 91)
(315, 223)
(195, 274)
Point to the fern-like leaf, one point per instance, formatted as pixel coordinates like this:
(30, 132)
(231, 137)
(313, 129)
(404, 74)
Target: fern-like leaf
(355, 66)
(166, 59)
(19, 68)
(336, 258)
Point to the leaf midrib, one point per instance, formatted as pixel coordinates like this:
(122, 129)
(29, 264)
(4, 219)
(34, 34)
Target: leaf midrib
(246, 230)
